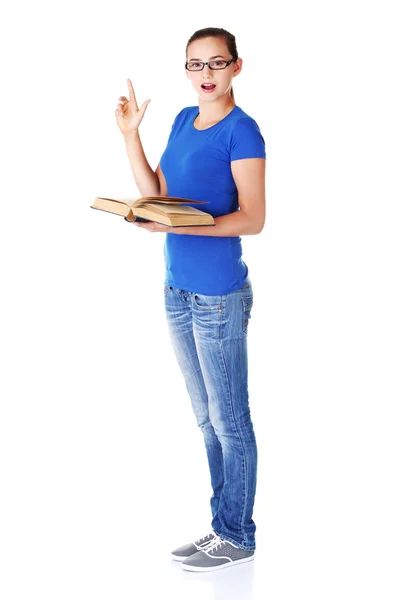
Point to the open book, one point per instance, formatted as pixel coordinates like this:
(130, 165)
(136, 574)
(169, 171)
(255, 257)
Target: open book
(167, 210)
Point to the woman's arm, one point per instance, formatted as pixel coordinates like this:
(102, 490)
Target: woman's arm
(146, 179)
(234, 224)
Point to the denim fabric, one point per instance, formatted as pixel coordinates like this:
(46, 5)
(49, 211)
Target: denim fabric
(209, 338)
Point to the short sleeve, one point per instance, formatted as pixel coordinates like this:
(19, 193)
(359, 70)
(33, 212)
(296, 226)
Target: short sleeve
(247, 141)
(174, 124)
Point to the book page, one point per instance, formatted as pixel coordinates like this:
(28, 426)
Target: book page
(172, 208)
(168, 199)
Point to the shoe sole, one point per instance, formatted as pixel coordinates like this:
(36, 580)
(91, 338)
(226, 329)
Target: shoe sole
(180, 558)
(228, 564)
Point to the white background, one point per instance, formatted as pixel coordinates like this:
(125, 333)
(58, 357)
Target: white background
(103, 468)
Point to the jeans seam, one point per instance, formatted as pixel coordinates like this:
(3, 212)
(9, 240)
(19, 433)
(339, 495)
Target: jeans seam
(247, 303)
(241, 521)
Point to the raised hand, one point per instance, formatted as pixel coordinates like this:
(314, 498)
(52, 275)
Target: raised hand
(127, 114)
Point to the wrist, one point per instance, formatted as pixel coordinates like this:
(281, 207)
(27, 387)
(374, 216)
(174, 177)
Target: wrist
(131, 135)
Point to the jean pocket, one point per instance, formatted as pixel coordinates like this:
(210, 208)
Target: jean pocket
(247, 303)
(207, 302)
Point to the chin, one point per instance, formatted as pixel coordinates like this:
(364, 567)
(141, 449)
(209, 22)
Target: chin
(210, 99)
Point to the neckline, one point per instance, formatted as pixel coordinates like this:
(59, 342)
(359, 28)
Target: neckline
(212, 126)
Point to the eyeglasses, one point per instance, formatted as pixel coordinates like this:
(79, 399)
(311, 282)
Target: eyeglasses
(215, 65)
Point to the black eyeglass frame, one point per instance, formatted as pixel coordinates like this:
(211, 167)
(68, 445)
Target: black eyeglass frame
(228, 62)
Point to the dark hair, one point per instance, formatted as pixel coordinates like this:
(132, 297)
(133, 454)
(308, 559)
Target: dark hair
(217, 32)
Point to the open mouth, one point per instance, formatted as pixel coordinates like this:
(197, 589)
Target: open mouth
(208, 87)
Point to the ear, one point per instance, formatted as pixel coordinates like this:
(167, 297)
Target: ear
(237, 67)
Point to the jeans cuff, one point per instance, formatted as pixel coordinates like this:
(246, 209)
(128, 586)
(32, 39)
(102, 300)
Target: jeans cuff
(236, 543)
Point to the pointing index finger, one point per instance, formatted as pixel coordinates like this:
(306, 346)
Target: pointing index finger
(132, 97)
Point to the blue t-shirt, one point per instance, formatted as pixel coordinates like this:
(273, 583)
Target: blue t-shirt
(196, 165)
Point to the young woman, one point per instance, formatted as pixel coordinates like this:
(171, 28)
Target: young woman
(215, 152)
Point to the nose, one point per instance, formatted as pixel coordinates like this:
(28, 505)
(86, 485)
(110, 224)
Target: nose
(206, 69)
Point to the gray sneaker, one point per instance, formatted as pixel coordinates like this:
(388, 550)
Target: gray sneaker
(217, 555)
(188, 549)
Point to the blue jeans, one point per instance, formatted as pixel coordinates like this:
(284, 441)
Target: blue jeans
(209, 338)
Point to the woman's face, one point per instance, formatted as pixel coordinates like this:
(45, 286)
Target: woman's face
(211, 49)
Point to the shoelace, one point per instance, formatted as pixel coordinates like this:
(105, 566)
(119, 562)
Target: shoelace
(203, 538)
(214, 544)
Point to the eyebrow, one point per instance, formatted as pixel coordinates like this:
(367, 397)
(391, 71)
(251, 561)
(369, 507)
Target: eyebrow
(211, 57)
